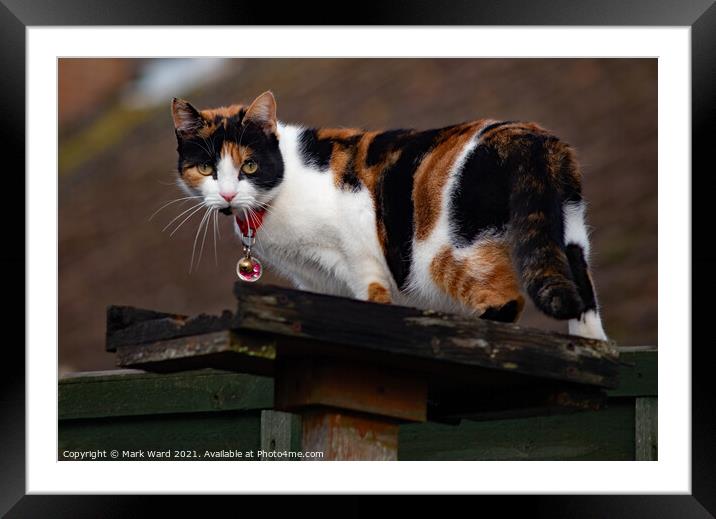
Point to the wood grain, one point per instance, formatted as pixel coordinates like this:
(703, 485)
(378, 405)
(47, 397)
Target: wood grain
(342, 436)
(387, 333)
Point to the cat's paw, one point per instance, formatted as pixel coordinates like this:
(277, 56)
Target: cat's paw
(377, 293)
(560, 300)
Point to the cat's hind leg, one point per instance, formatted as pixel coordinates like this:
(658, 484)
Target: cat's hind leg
(481, 279)
(589, 323)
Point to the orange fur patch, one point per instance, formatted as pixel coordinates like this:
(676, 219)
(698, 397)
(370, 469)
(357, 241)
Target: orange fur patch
(210, 116)
(223, 112)
(339, 161)
(378, 293)
(433, 173)
(485, 279)
(192, 177)
(238, 154)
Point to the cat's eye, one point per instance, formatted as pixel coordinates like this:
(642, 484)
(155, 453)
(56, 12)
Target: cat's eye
(205, 168)
(249, 167)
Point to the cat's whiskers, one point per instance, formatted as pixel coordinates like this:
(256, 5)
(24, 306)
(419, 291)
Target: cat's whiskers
(184, 199)
(268, 209)
(213, 148)
(215, 215)
(210, 212)
(196, 238)
(218, 225)
(241, 137)
(197, 206)
(162, 183)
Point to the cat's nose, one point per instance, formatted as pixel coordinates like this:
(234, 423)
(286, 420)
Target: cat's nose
(228, 196)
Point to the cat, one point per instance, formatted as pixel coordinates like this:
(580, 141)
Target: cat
(460, 219)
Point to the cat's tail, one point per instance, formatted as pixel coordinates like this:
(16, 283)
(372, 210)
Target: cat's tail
(545, 176)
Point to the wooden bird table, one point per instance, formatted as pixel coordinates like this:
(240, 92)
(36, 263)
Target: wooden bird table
(354, 371)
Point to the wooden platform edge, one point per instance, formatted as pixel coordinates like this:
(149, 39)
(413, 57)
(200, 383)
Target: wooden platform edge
(315, 319)
(218, 390)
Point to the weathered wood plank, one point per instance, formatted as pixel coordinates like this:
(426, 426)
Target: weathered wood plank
(308, 323)
(113, 394)
(441, 338)
(121, 317)
(646, 429)
(128, 326)
(221, 350)
(280, 432)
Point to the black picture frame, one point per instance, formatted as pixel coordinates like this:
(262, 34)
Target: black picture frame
(700, 15)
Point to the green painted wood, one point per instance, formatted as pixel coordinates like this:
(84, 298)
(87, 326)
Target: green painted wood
(600, 435)
(280, 432)
(131, 392)
(638, 372)
(646, 430)
(191, 434)
(134, 392)
(213, 409)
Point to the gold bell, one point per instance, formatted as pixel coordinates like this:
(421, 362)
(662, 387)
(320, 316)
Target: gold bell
(246, 266)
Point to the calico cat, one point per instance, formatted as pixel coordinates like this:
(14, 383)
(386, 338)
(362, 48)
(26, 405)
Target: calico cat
(459, 219)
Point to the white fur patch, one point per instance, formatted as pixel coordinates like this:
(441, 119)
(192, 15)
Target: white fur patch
(321, 237)
(575, 230)
(589, 325)
(227, 174)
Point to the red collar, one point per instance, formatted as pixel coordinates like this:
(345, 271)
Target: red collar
(255, 220)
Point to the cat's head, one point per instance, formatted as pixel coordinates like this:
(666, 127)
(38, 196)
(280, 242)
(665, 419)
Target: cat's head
(230, 155)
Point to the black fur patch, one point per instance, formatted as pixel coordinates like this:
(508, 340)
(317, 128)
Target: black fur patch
(382, 144)
(507, 313)
(349, 179)
(193, 151)
(533, 191)
(579, 268)
(314, 151)
(266, 152)
(395, 201)
(480, 200)
(572, 191)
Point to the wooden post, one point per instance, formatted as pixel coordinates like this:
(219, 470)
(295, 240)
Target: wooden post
(350, 410)
(341, 435)
(646, 428)
(280, 432)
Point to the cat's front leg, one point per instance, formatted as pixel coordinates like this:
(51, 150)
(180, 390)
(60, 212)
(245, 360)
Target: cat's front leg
(374, 291)
(378, 293)
(370, 284)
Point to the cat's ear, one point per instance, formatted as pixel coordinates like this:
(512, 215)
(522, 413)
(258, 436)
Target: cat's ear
(262, 112)
(187, 119)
